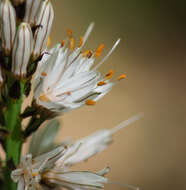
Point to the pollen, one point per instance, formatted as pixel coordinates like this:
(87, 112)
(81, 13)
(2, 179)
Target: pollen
(69, 33)
(44, 98)
(99, 50)
(101, 83)
(90, 102)
(87, 53)
(68, 93)
(44, 74)
(72, 44)
(62, 43)
(80, 42)
(109, 74)
(123, 76)
(49, 41)
(35, 174)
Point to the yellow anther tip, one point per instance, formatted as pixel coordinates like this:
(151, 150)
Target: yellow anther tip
(44, 98)
(90, 102)
(123, 76)
(44, 74)
(101, 83)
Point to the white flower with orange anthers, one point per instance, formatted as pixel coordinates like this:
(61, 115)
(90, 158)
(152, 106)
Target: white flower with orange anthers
(51, 169)
(65, 79)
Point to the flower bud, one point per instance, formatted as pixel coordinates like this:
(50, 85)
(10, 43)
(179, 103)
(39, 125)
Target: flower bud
(44, 26)
(8, 25)
(33, 9)
(22, 50)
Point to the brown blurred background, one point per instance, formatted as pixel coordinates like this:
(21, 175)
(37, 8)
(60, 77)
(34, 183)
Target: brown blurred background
(150, 153)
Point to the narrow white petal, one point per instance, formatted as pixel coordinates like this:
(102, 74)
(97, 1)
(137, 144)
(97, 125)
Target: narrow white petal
(127, 122)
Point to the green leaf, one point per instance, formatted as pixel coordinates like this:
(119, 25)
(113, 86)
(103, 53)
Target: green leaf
(43, 140)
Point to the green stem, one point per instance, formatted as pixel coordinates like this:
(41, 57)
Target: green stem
(14, 140)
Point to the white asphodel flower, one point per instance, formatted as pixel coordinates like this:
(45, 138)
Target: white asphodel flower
(22, 50)
(65, 79)
(44, 24)
(7, 25)
(32, 171)
(33, 9)
(89, 146)
(52, 169)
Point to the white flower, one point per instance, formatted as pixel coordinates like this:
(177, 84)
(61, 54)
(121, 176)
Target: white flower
(44, 24)
(87, 147)
(31, 171)
(65, 79)
(52, 168)
(7, 25)
(33, 9)
(22, 50)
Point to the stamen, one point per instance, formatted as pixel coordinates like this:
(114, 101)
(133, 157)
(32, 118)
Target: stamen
(69, 33)
(101, 83)
(69, 93)
(62, 43)
(123, 76)
(80, 41)
(87, 33)
(107, 56)
(87, 53)
(90, 102)
(44, 74)
(110, 74)
(44, 98)
(72, 44)
(99, 50)
(35, 174)
(49, 41)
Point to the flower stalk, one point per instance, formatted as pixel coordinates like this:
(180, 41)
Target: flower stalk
(13, 144)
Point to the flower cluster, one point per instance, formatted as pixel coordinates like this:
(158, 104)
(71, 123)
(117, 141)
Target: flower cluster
(51, 169)
(66, 77)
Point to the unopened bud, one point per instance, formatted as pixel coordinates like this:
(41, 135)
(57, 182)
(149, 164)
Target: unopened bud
(8, 25)
(44, 26)
(22, 50)
(33, 9)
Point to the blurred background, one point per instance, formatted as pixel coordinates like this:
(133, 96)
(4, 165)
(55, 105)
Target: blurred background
(150, 153)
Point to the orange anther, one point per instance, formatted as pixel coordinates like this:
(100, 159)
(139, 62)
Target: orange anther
(101, 83)
(44, 74)
(62, 43)
(99, 50)
(80, 42)
(69, 93)
(69, 33)
(87, 53)
(109, 74)
(35, 174)
(123, 76)
(90, 102)
(44, 98)
(49, 41)
(72, 44)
